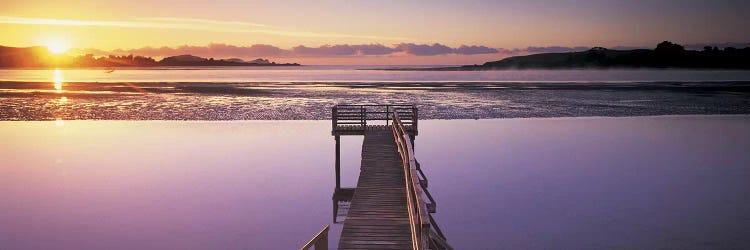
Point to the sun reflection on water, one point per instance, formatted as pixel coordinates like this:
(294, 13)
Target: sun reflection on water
(59, 122)
(58, 80)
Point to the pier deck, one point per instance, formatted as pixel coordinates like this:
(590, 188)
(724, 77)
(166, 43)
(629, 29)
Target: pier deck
(378, 217)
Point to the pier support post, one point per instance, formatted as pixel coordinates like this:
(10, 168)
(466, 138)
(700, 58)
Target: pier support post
(338, 162)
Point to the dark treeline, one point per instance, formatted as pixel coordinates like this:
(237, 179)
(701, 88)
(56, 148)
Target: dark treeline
(112, 61)
(665, 55)
(40, 57)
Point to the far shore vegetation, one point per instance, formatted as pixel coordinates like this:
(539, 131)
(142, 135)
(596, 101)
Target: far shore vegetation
(665, 55)
(41, 57)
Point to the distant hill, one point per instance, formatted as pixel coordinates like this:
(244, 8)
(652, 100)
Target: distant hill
(184, 59)
(190, 60)
(665, 55)
(40, 57)
(24, 57)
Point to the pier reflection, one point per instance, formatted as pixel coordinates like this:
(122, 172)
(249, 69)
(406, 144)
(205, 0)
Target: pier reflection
(342, 199)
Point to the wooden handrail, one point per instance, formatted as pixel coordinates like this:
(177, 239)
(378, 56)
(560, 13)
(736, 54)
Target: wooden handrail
(319, 241)
(348, 117)
(419, 202)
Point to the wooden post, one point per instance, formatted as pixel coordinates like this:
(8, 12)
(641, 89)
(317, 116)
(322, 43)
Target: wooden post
(334, 119)
(414, 117)
(363, 112)
(338, 162)
(319, 241)
(387, 114)
(412, 137)
(335, 206)
(322, 244)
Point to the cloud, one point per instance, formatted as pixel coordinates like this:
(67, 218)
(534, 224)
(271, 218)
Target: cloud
(424, 49)
(374, 49)
(199, 20)
(220, 50)
(555, 49)
(189, 24)
(473, 50)
(343, 50)
(325, 50)
(211, 50)
(439, 49)
(264, 50)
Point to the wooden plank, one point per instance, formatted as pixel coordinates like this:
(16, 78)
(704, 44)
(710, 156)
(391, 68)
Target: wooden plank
(378, 216)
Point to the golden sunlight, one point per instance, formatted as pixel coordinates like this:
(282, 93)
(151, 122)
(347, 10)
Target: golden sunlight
(57, 46)
(58, 79)
(59, 122)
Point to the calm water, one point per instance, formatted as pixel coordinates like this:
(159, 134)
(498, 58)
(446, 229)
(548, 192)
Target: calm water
(676, 182)
(355, 74)
(308, 93)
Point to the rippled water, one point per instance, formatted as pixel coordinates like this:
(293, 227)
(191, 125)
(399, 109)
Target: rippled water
(309, 93)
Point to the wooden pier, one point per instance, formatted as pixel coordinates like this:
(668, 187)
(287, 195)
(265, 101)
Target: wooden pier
(390, 208)
(378, 217)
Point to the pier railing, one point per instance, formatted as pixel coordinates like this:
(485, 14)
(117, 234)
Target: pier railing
(319, 241)
(355, 119)
(425, 232)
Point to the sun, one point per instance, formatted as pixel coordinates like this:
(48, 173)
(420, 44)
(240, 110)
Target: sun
(57, 46)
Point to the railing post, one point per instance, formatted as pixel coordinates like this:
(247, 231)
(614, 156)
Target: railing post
(334, 118)
(414, 117)
(319, 241)
(425, 231)
(387, 114)
(338, 162)
(322, 244)
(363, 114)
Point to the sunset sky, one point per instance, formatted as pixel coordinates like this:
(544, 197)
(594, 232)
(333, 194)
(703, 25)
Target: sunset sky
(395, 32)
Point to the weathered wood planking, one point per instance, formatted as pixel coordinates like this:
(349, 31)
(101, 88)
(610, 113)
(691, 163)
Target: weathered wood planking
(378, 216)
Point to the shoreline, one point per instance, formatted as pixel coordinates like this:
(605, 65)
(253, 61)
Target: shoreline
(481, 68)
(459, 119)
(44, 100)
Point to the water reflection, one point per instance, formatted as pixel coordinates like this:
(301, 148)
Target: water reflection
(79, 187)
(342, 200)
(342, 197)
(59, 122)
(520, 184)
(58, 79)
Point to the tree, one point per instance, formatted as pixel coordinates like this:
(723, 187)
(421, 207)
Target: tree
(668, 47)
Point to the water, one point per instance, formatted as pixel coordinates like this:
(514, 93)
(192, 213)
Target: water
(560, 183)
(357, 74)
(308, 93)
